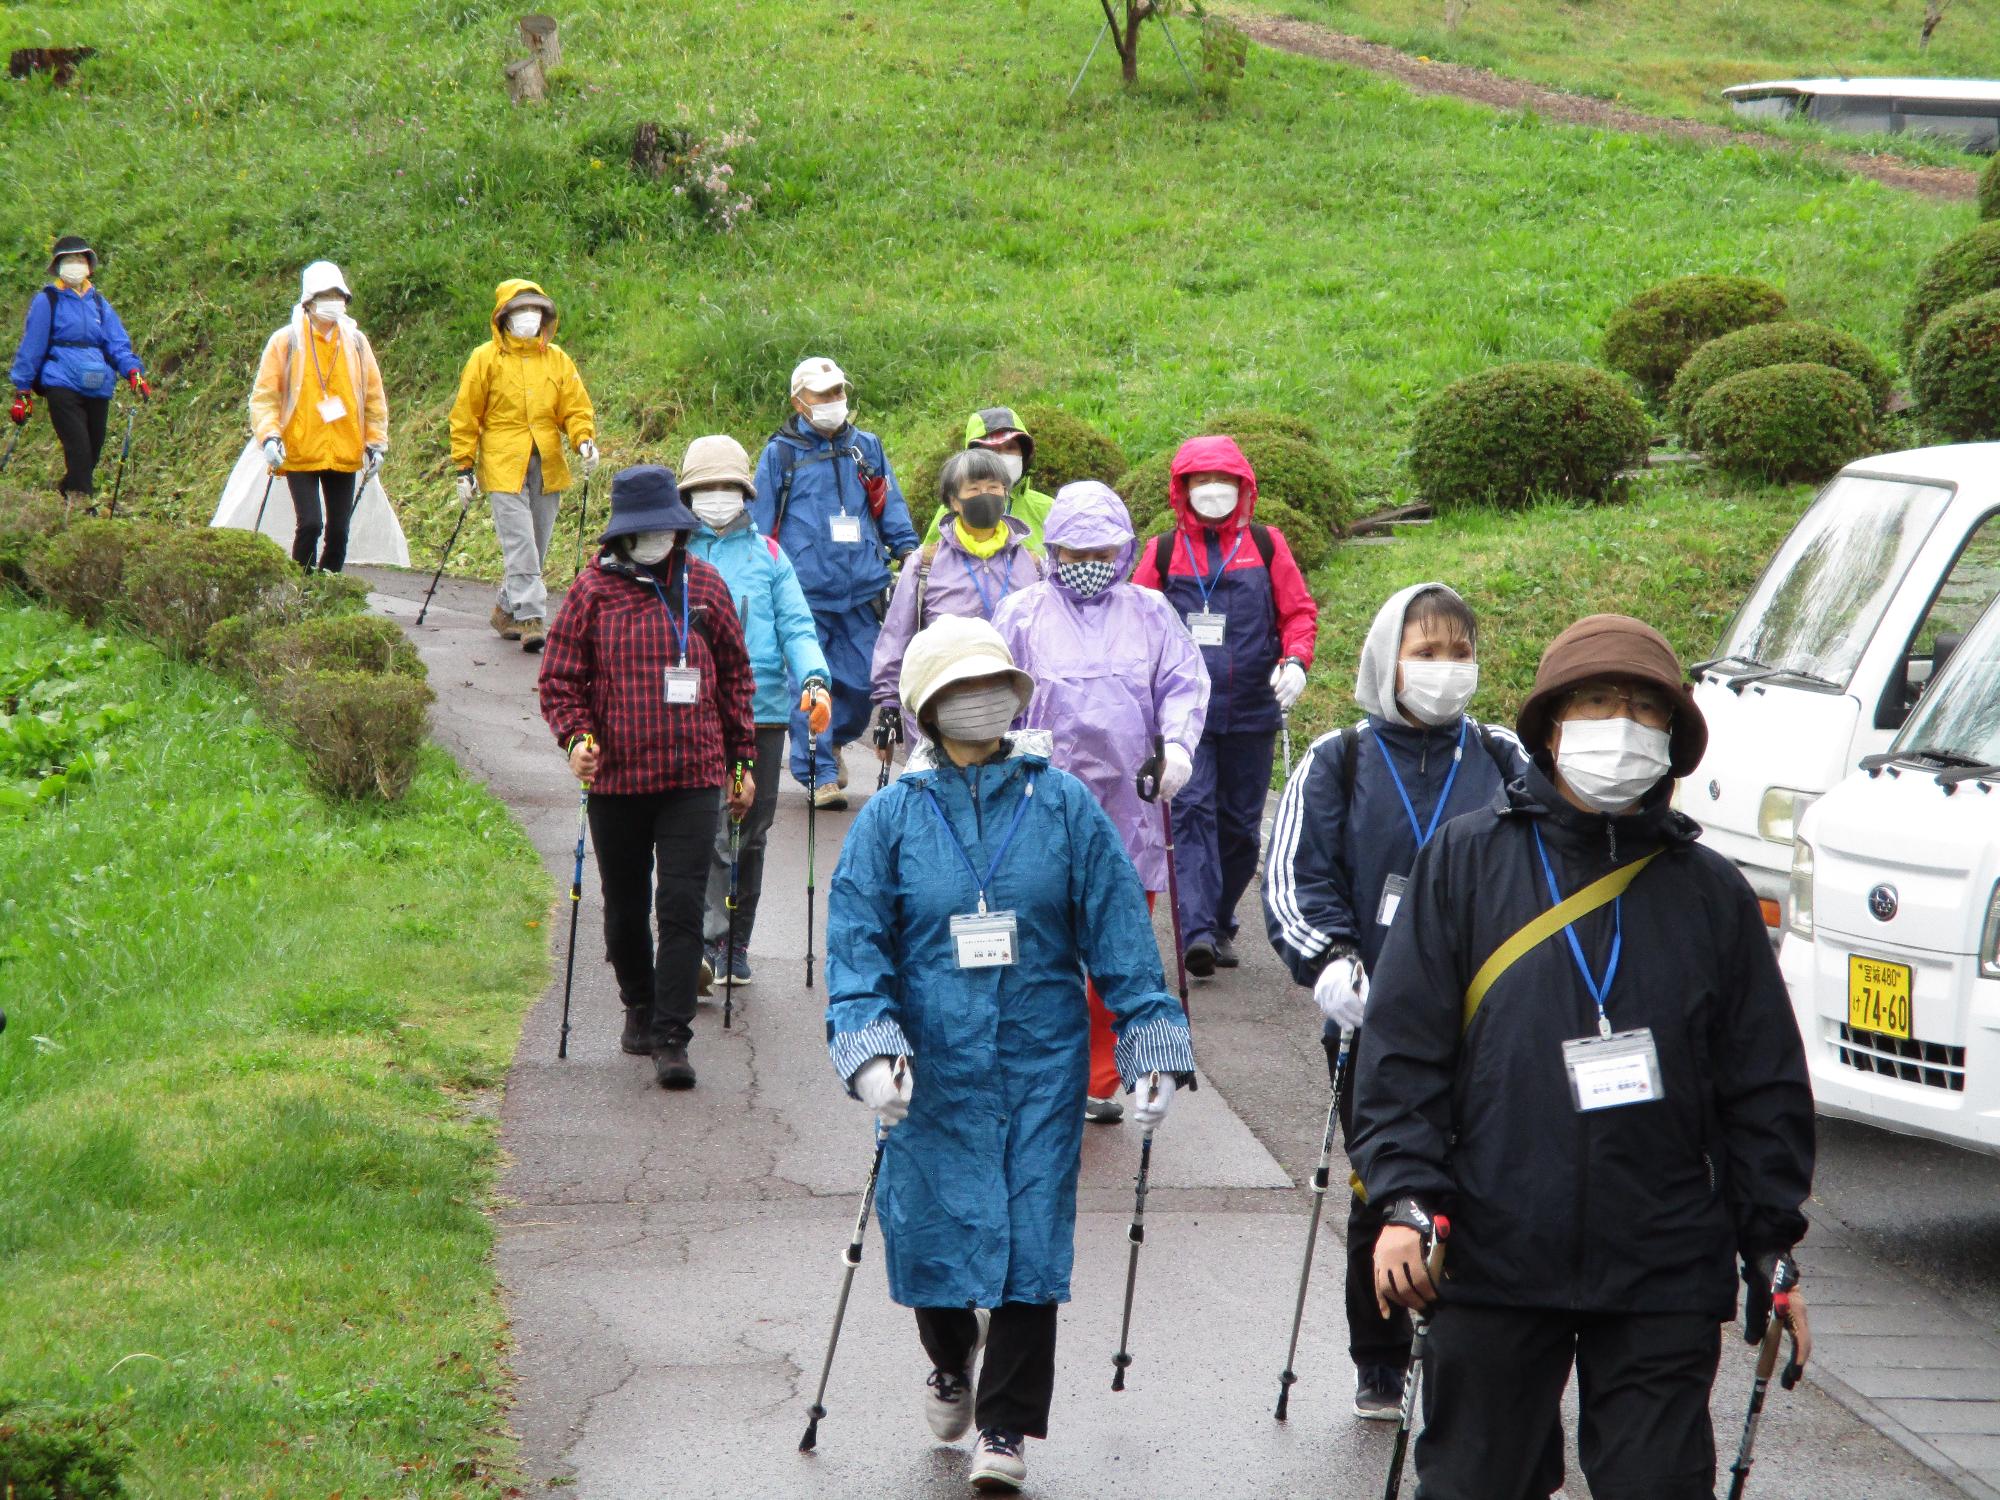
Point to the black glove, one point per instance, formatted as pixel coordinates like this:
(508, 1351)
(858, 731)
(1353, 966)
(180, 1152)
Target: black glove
(1760, 1274)
(1147, 782)
(1408, 1213)
(888, 726)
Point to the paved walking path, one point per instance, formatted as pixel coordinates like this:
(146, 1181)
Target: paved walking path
(670, 1260)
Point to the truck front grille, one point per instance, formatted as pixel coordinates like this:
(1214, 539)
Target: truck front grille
(1931, 1064)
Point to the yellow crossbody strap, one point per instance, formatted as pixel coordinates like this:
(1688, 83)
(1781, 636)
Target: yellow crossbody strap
(1598, 893)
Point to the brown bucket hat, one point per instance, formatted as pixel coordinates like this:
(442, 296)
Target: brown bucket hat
(1613, 646)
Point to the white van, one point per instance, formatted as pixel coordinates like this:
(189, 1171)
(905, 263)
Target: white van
(1892, 948)
(1877, 583)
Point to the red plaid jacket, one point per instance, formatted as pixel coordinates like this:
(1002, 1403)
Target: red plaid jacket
(604, 674)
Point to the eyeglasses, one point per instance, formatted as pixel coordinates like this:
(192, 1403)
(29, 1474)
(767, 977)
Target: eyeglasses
(1647, 706)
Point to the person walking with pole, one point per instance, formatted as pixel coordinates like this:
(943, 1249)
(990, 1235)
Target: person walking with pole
(1577, 1044)
(73, 352)
(518, 397)
(319, 413)
(1113, 670)
(778, 633)
(969, 898)
(646, 686)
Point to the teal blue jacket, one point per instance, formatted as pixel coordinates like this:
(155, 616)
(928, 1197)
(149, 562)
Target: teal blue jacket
(777, 625)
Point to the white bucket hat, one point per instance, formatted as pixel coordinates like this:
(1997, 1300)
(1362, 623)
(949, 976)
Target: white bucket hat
(956, 649)
(817, 374)
(322, 276)
(714, 460)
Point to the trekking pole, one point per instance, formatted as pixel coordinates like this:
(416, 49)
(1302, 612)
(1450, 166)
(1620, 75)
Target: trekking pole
(1136, 1233)
(1319, 1181)
(849, 1259)
(812, 844)
(575, 901)
(1285, 728)
(8, 457)
(1767, 1362)
(462, 510)
(1147, 783)
(888, 734)
(582, 515)
(125, 452)
(735, 860)
(1420, 1330)
(258, 525)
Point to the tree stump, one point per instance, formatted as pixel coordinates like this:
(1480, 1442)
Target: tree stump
(60, 61)
(539, 32)
(526, 83)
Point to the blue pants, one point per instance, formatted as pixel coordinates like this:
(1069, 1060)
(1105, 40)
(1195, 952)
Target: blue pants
(1217, 818)
(847, 636)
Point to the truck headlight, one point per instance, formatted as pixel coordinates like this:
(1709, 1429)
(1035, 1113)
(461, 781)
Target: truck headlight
(1989, 938)
(1801, 901)
(1779, 813)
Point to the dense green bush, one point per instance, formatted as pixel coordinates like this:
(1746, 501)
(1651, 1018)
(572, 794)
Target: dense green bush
(197, 575)
(231, 642)
(1989, 190)
(1651, 337)
(1067, 449)
(1509, 434)
(1786, 422)
(1966, 267)
(1764, 344)
(349, 643)
(81, 568)
(25, 520)
(1250, 421)
(1956, 373)
(1288, 473)
(56, 1453)
(361, 733)
(920, 485)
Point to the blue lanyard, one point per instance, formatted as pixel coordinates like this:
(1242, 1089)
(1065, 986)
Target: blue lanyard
(1409, 810)
(1207, 585)
(1599, 989)
(986, 604)
(683, 642)
(1020, 812)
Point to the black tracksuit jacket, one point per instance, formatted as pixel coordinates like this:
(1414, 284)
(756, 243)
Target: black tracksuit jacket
(1636, 1209)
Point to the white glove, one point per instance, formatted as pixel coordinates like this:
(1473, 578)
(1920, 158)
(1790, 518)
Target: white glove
(885, 1084)
(274, 454)
(1149, 1112)
(1342, 991)
(587, 451)
(1288, 680)
(468, 488)
(1174, 775)
(371, 463)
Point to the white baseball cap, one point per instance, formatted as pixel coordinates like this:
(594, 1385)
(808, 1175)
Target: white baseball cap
(817, 375)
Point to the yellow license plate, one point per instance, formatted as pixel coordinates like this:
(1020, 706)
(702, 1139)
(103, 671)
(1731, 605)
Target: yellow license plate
(1878, 996)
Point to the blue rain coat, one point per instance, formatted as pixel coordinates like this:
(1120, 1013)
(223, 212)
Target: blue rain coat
(828, 479)
(73, 340)
(777, 626)
(978, 1191)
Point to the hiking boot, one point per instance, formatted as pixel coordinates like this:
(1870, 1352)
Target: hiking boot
(533, 634)
(840, 770)
(506, 624)
(997, 1465)
(948, 1394)
(828, 797)
(739, 964)
(671, 1068)
(1378, 1393)
(1225, 954)
(1200, 958)
(1103, 1111)
(638, 1037)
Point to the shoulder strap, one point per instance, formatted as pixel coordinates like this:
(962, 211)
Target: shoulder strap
(1600, 892)
(1261, 536)
(791, 461)
(1163, 556)
(924, 563)
(776, 550)
(1350, 746)
(49, 341)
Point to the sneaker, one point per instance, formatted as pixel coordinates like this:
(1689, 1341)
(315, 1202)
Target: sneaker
(671, 1068)
(1103, 1111)
(739, 964)
(1200, 958)
(828, 797)
(711, 968)
(506, 624)
(1378, 1393)
(1225, 954)
(638, 1037)
(997, 1465)
(948, 1404)
(533, 634)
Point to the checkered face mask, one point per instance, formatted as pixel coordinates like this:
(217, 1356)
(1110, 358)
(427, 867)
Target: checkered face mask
(1086, 580)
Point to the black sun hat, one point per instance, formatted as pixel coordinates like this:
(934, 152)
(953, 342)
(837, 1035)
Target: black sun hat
(71, 244)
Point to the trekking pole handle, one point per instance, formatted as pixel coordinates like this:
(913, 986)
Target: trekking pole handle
(1147, 782)
(1434, 1262)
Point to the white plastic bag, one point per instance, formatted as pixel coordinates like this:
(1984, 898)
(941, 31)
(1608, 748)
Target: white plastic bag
(373, 536)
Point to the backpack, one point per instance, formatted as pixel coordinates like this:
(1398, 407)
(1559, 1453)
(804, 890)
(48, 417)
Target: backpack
(48, 294)
(872, 484)
(1163, 548)
(1350, 742)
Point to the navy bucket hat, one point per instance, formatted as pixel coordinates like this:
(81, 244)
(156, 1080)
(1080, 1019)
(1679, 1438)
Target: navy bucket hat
(646, 498)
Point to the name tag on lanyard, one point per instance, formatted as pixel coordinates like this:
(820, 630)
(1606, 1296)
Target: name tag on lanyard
(1609, 1072)
(1392, 899)
(1207, 627)
(844, 528)
(332, 409)
(984, 940)
(683, 685)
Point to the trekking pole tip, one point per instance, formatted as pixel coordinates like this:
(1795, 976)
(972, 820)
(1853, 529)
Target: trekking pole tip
(811, 1440)
(1284, 1407)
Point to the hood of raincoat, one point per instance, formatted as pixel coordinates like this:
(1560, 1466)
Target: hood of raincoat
(1375, 681)
(997, 426)
(322, 276)
(518, 293)
(1088, 515)
(1211, 455)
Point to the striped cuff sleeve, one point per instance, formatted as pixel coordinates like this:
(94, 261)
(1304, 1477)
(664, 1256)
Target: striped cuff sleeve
(1157, 1047)
(852, 1049)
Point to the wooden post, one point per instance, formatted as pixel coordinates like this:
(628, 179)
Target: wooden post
(539, 32)
(525, 81)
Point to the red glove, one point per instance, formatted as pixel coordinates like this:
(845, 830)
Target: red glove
(877, 488)
(139, 385)
(23, 404)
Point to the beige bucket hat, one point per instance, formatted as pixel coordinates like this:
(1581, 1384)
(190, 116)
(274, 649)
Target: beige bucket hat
(952, 650)
(715, 460)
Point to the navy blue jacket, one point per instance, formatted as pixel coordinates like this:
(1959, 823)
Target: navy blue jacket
(829, 478)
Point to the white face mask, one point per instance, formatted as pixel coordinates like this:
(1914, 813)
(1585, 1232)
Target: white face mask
(525, 324)
(1014, 466)
(649, 547)
(326, 309)
(717, 508)
(75, 270)
(1436, 692)
(829, 416)
(1611, 763)
(977, 713)
(1215, 501)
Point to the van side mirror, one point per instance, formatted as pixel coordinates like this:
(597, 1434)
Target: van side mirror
(1942, 648)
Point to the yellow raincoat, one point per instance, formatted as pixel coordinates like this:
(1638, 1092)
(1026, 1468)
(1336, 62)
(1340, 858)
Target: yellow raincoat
(517, 397)
(286, 371)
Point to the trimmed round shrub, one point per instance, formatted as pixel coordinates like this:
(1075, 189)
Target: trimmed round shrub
(81, 569)
(26, 520)
(1764, 344)
(1289, 473)
(1989, 190)
(1507, 435)
(1799, 421)
(50, 1452)
(1956, 373)
(350, 643)
(196, 575)
(1249, 421)
(1651, 337)
(361, 733)
(1066, 449)
(1966, 267)
(231, 643)
(920, 486)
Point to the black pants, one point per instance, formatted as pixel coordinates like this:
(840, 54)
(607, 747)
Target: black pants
(631, 835)
(1017, 1378)
(751, 838)
(79, 423)
(1493, 1384)
(1371, 1338)
(307, 488)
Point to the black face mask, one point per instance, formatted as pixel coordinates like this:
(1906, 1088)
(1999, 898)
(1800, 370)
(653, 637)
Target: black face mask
(982, 512)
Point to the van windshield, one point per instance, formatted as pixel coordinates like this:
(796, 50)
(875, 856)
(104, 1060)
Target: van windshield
(1820, 600)
(1957, 721)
